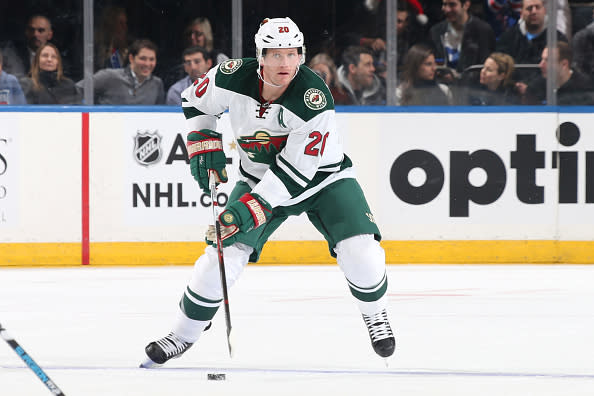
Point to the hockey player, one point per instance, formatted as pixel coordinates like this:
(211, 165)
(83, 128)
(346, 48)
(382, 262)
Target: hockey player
(291, 161)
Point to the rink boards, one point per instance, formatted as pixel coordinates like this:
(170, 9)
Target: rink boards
(111, 186)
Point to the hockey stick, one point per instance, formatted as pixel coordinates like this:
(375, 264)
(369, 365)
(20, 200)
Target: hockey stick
(30, 362)
(215, 215)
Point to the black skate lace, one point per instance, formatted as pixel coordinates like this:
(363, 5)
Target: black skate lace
(172, 345)
(378, 326)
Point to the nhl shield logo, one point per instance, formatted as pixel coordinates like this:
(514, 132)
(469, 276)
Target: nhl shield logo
(147, 147)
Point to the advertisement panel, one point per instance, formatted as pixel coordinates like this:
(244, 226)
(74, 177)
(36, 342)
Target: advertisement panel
(493, 176)
(9, 171)
(40, 175)
(466, 187)
(574, 162)
(142, 188)
(159, 188)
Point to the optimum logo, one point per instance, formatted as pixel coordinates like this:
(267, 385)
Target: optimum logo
(147, 148)
(526, 160)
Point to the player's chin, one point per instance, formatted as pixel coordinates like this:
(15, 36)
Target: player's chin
(283, 79)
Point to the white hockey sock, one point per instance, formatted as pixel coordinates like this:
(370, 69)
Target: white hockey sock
(188, 330)
(373, 307)
(206, 283)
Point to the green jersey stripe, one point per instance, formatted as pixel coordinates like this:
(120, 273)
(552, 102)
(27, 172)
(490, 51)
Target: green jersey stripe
(191, 112)
(295, 188)
(292, 187)
(331, 167)
(247, 175)
(290, 169)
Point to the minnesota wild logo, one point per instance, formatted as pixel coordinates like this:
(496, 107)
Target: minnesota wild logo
(314, 99)
(230, 66)
(261, 146)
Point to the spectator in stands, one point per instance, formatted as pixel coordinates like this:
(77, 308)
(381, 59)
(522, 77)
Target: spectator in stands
(133, 85)
(408, 33)
(418, 86)
(323, 65)
(111, 39)
(10, 89)
(461, 40)
(47, 83)
(504, 14)
(196, 62)
(581, 14)
(583, 50)
(573, 87)
(18, 57)
(496, 86)
(409, 30)
(370, 17)
(526, 40)
(357, 80)
(199, 33)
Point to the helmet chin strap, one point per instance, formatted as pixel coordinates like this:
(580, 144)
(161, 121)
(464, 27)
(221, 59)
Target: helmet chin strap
(269, 83)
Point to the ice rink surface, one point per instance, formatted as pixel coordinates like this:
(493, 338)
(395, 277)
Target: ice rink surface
(460, 330)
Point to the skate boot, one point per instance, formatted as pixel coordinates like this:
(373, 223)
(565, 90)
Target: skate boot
(166, 348)
(162, 350)
(382, 338)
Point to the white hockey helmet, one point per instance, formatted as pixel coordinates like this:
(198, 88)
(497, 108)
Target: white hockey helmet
(279, 33)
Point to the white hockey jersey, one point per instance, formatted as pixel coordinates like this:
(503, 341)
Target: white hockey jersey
(289, 149)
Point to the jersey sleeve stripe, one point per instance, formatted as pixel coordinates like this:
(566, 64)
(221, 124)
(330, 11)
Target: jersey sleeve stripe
(288, 181)
(331, 167)
(191, 112)
(247, 175)
(291, 170)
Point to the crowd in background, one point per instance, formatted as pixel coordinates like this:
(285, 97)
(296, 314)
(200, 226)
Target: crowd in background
(449, 52)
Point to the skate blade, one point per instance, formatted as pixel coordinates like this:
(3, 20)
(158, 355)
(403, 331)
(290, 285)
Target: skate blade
(388, 360)
(148, 364)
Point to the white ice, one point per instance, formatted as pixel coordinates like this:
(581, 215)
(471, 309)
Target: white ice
(461, 330)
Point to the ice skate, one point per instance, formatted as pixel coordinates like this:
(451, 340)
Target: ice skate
(382, 338)
(162, 350)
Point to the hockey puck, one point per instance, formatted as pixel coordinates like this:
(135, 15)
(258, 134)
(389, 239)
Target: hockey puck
(216, 377)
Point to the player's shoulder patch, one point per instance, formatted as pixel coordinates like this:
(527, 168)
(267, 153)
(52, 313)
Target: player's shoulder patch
(230, 66)
(315, 99)
(238, 75)
(310, 95)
